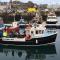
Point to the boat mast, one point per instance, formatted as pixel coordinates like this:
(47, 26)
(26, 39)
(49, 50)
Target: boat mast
(10, 4)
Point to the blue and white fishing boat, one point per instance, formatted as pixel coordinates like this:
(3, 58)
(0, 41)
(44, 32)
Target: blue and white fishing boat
(32, 35)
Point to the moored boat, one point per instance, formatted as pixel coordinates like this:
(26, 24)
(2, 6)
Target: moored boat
(31, 35)
(51, 18)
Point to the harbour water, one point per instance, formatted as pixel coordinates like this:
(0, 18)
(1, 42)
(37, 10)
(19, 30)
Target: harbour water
(42, 52)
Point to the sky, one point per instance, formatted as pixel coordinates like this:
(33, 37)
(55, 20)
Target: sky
(39, 1)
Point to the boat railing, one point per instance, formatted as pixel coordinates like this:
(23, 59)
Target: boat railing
(51, 30)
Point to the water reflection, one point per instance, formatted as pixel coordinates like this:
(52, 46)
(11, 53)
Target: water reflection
(27, 52)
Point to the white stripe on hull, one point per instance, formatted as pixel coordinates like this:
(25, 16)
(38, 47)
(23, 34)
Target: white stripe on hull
(14, 39)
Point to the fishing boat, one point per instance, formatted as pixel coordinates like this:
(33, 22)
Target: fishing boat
(28, 34)
(51, 18)
(35, 34)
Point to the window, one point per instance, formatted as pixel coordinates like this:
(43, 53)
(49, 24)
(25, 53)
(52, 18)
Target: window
(51, 17)
(36, 31)
(31, 32)
(40, 31)
(1, 25)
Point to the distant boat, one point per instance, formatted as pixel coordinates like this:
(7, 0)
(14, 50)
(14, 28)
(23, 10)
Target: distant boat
(51, 18)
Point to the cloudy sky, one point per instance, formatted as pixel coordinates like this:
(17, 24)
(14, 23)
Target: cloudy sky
(40, 1)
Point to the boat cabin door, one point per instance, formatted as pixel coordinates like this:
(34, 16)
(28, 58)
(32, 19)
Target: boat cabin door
(15, 24)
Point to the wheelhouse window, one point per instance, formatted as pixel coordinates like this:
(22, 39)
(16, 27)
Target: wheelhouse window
(22, 26)
(37, 32)
(1, 25)
(51, 17)
(31, 32)
(41, 31)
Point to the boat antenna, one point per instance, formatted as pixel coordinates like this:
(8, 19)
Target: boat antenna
(14, 17)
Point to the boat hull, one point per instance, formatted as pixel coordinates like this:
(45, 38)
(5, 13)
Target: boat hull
(34, 41)
(48, 22)
(48, 39)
